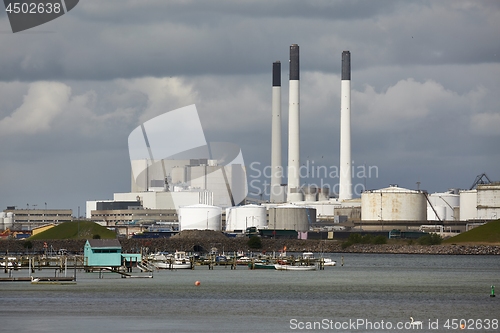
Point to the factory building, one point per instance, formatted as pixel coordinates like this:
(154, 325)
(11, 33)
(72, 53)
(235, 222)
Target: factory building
(482, 203)
(28, 219)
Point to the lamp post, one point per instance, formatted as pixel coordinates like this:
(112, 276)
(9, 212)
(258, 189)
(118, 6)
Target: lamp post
(28, 212)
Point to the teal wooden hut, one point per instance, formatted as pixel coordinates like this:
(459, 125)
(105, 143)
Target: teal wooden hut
(102, 253)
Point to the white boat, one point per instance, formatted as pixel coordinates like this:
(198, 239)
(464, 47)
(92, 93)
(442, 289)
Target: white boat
(329, 262)
(11, 262)
(177, 261)
(281, 267)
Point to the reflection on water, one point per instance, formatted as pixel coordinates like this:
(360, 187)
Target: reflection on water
(369, 287)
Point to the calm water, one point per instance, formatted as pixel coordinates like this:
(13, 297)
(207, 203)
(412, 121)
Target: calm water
(376, 289)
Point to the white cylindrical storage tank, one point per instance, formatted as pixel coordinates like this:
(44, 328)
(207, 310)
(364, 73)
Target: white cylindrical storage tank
(393, 204)
(291, 217)
(200, 217)
(446, 200)
(241, 217)
(439, 210)
(468, 205)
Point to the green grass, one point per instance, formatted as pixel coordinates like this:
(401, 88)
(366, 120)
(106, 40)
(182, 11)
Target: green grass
(75, 230)
(488, 233)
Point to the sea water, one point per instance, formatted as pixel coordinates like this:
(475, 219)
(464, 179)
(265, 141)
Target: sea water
(369, 293)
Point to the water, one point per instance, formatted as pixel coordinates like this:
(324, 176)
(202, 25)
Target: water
(376, 289)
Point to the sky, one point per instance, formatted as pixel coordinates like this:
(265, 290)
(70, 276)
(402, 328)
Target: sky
(425, 102)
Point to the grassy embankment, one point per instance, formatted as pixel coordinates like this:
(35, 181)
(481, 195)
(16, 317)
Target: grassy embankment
(485, 234)
(75, 230)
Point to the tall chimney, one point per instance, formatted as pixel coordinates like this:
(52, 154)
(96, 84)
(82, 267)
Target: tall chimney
(277, 194)
(294, 193)
(345, 181)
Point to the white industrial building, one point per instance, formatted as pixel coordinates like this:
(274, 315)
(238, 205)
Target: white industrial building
(227, 183)
(482, 203)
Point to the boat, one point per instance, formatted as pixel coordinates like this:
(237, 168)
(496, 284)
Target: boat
(178, 260)
(281, 267)
(11, 262)
(329, 262)
(261, 265)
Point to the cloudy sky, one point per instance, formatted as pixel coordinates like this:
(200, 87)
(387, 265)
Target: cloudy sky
(425, 89)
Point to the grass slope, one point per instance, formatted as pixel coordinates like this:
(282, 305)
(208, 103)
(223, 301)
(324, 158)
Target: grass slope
(75, 230)
(488, 233)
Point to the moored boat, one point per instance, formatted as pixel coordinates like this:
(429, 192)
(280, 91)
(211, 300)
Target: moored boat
(281, 267)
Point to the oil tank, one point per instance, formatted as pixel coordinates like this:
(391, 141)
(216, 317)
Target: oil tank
(446, 201)
(468, 205)
(241, 217)
(200, 217)
(291, 217)
(393, 203)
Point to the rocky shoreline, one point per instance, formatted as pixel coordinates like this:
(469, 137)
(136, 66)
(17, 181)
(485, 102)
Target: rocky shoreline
(205, 242)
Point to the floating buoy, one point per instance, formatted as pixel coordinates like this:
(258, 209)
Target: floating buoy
(492, 291)
(197, 283)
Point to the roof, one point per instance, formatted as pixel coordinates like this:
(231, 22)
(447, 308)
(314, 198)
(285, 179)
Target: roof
(100, 243)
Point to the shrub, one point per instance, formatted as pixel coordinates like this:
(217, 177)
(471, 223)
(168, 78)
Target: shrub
(379, 240)
(255, 242)
(430, 239)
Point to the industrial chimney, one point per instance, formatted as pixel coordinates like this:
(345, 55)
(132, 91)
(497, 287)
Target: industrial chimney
(277, 194)
(294, 193)
(345, 181)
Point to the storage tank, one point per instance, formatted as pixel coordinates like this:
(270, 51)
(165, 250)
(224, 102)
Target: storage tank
(241, 217)
(446, 201)
(200, 217)
(310, 193)
(393, 204)
(468, 205)
(324, 194)
(291, 217)
(441, 213)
